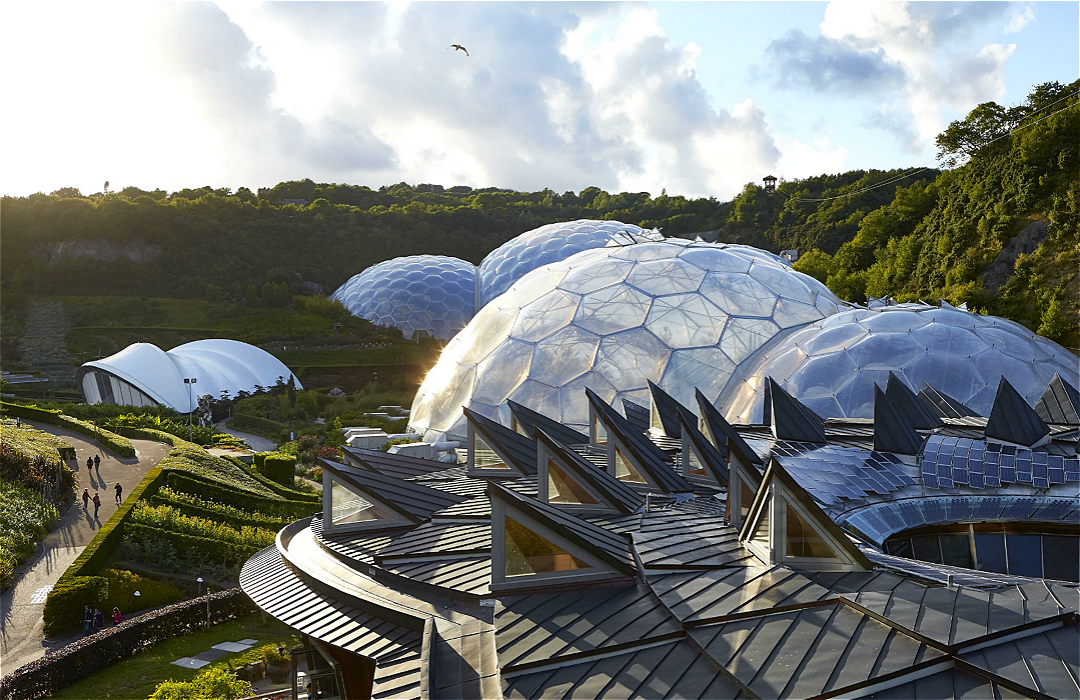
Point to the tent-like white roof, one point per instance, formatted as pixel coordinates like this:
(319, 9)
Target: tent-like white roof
(217, 365)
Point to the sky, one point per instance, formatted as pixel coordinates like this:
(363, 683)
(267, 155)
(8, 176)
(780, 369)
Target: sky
(695, 98)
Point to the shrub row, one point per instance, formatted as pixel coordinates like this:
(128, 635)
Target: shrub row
(259, 426)
(198, 434)
(111, 441)
(227, 553)
(289, 494)
(31, 441)
(208, 490)
(198, 462)
(169, 518)
(59, 669)
(193, 505)
(276, 466)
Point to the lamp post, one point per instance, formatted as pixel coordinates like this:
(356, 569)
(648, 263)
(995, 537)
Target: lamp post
(191, 428)
(200, 584)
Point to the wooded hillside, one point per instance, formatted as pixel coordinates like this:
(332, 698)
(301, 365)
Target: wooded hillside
(914, 233)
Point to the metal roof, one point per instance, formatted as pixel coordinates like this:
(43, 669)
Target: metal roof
(530, 420)
(637, 415)
(790, 420)
(908, 404)
(621, 496)
(518, 450)
(667, 408)
(1012, 420)
(412, 500)
(1060, 403)
(892, 431)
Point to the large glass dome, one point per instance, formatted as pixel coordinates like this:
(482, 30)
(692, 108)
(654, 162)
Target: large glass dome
(832, 365)
(431, 294)
(678, 313)
(512, 260)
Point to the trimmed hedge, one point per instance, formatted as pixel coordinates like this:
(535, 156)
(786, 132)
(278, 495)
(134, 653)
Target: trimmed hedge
(284, 491)
(228, 553)
(64, 606)
(190, 504)
(208, 490)
(111, 441)
(276, 466)
(89, 655)
(258, 426)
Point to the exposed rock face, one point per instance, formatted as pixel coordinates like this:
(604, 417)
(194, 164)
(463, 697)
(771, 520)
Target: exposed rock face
(96, 249)
(998, 272)
(43, 343)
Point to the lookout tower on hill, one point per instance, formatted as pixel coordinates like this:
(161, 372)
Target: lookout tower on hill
(770, 183)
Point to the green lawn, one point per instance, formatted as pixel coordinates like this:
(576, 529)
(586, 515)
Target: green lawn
(137, 676)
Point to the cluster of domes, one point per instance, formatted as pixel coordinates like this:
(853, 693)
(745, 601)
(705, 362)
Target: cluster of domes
(682, 314)
(832, 365)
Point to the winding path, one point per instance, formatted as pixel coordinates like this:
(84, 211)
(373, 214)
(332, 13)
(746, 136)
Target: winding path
(21, 637)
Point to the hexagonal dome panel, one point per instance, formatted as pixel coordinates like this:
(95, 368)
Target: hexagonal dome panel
(611, 318)
(431, 294)
(833, 364)
(514, 259)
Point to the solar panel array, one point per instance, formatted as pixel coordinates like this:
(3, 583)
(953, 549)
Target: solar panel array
(952, 461)
(832, 474)
(880, 521)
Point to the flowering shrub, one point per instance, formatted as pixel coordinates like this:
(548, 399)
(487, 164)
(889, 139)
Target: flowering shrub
(25, 518)
(169, 518)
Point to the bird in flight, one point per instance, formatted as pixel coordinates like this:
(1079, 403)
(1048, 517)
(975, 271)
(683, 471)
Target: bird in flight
(459, 47)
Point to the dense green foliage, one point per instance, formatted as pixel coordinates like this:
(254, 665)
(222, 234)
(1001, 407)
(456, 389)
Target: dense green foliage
(64, 606)
(934, 240)
(276, 466)
(169, 518)
(190, 504)
(25, 518)
(212, 684)
(110, 441)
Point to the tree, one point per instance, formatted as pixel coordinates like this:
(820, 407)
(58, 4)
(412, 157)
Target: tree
(816, 263)
(962, 139)
(251, 296)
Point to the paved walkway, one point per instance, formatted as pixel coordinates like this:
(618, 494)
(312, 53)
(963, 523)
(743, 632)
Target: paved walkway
(258, 443)
(21, 637)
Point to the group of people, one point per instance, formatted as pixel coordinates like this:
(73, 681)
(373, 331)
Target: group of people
(93, 463)
(94, 619)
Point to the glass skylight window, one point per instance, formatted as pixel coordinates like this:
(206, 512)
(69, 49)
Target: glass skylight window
(530, 553)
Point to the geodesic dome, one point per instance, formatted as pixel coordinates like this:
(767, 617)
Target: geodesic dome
(832, 365)
(682, 314)
(514, 259)
(433, 294)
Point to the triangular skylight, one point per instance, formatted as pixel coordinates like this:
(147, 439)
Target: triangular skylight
(625, 469)
(700, 459)
(562, 488)
(744, 480)
(568, 480)
(786, 526)
(528, 552)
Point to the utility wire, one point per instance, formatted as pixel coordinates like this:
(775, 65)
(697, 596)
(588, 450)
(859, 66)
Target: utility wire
(897, 178)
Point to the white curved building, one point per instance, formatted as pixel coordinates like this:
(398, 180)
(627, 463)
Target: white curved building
(143, 374)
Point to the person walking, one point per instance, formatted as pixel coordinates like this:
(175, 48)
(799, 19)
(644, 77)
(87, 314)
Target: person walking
(117, 618)
(97, 504)
(119, 493)
(99, 619)
(87, 619)
(90, 465)
(97, 464)
(85, 499)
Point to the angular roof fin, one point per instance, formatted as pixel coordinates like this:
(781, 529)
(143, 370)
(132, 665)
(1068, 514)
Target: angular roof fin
(791, 420)
(518, 451)
(696, 447)
(905, 401)
(1060, 403)
(666, 409)
(720, 431)
(893, 432)
(637, 415)
(530, 420)
(616, 495)
(1012, 420)
(942, 404)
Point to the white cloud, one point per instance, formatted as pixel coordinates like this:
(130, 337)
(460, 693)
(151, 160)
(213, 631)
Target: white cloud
(1021, 17)
(552, 95)
(802, 160)
(912, 50)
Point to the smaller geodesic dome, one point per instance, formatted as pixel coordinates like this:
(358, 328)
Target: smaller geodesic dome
(143, 374)
(679, 313)
(512, 260)
(832, 365)
(420, 294)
